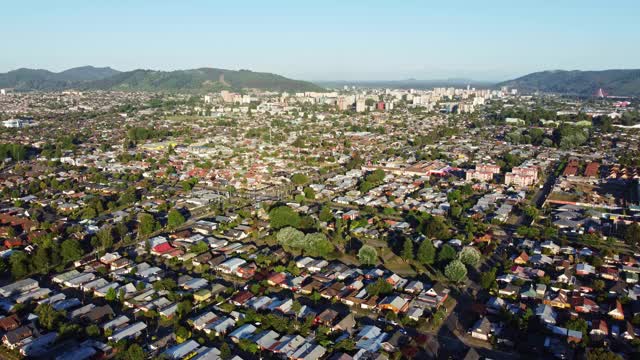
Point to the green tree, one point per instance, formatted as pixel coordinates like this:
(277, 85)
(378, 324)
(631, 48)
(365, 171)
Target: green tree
(184, 308)
(602, 354)
(299, 179)
(290, 237)
(379, 287)
(316, 244)
(89, 213)
(70, 251)
(325, 214)
(456, 271)
(135, 352)
(368, 255)
(470, 256)
(93, 330)
(632, 234)
(175, 219)
(19, 265)
(598, 285)
(426, 252)
(283, 216)
(309, 193)
(48, 317)
(105, 235)
(446, 253)
(407, 250)
(225, 351)
(488, 278)
(147, 224)
(111, 295)
(199, 247)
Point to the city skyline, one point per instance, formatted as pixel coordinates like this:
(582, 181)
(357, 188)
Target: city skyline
(330, 41)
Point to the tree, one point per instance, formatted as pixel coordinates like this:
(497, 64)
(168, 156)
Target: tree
(456, 271)
(199, 247)
(89, 213)
(426, 252)
(40, 260)
(309, 193)
(602, 354)
(111, 295)
(48, 317)
(290, 237)
(598, 285)
(105, 235)
(488, 278)
(325, 214)
(135, 352)
(379, 287)
(446, 253)
(225, 351)
(19, 265)
(434, 227)
(299, 179)
(70, 250)
(407, 250)
(632, 234)
(469, 256)
(367, 255)
(175, 219)
(184, 308)
(93, 330)
(147, 224)
(283, 216)
(316, 244)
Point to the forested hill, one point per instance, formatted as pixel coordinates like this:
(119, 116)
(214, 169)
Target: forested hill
(196, 80)
(584, 83)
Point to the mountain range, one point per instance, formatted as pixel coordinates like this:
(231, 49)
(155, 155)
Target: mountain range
(408, 83)
(196, 80)
(582, 83)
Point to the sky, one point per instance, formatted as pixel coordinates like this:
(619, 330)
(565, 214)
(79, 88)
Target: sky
(487, 40)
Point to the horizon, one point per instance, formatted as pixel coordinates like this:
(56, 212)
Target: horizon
(331, 41)
(361, 81)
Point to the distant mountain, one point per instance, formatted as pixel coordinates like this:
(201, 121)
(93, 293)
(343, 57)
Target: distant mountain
(584, 83)
(196, 80)
(45, 80)
(406, 84)
(88, 73)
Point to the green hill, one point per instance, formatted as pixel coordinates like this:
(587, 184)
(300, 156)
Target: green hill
(196, 80)
(44, 80)
(584, 83)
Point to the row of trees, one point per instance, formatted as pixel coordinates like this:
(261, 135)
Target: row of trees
(313, 244)
(17, 152)
(48, 255)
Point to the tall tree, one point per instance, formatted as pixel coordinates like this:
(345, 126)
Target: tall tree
(407, 250)
(426, 252)
(105, 235)
(456, 271)
(175, 219)
(19, 265)
(446, 253)
(70, 250)
(367, 255)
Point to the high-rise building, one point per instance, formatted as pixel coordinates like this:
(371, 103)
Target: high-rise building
(360, 105)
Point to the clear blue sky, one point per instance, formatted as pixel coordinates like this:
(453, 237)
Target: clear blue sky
(325, 40)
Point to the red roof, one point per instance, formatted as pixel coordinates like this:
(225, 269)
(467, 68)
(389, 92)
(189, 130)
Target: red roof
(162, 248)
